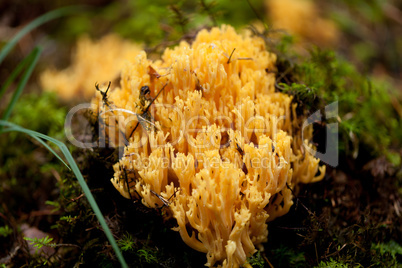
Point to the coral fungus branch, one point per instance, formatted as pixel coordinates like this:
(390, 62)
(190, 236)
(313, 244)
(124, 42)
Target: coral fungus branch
(228, 151)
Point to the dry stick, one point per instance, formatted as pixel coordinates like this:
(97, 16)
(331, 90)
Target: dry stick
(336, 252)
(298, 199)
(245, 58)
(266, 259)
(198, 86)
(164, 201)
(241, 152)
(282, 75)
(239, 149)
(128, 186)
(107, 103)
(231, 54)
(82, 195)
(104, 94)
(146, 109)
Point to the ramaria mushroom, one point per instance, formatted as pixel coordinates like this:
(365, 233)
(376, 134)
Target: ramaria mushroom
(90, 63)
(222, 155)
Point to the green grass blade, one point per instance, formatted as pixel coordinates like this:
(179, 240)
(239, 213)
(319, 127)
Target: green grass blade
(43, 143)
(35, 23)
(51, 150)
(14, 74)
(80, 179)
(32, 60)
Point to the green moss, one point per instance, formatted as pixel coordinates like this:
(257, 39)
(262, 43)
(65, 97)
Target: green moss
(390, 254)
(284, 256)
(40, 112)
(334, 264)
(256, 261)
(367, 120)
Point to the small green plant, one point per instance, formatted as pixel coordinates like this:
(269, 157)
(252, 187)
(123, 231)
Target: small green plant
(38, 243)
(148, 255)
(5, 231)
(54, 204)
(127, 243)
(68, 219)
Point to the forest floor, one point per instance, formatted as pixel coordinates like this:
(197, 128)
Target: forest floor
(352, 218)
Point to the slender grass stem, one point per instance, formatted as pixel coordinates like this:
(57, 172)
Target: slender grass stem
(36, 135)
(32, 59)
(35, 23)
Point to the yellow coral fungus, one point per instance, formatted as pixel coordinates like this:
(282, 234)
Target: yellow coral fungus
(220, 152)
(90, 63)
(301, 18)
